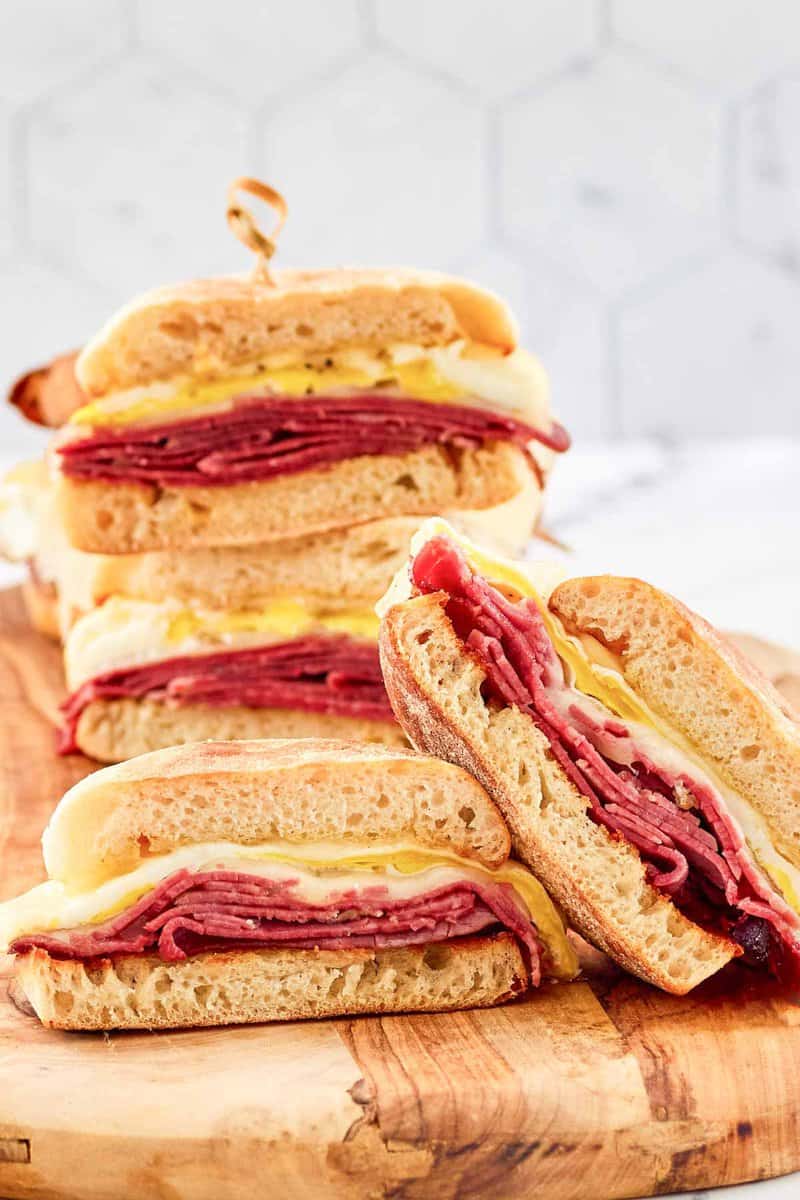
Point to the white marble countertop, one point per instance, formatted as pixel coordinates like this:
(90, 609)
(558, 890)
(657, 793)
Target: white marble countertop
(715, 523)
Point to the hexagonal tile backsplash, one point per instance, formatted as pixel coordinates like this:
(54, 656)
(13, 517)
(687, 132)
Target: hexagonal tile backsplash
(627, 172)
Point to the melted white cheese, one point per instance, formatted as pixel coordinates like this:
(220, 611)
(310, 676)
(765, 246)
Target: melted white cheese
(460, 373)
(322, 870)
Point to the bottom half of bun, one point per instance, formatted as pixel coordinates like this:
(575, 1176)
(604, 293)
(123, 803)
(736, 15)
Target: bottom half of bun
(126, 518)
(249, 986)
(114, 730)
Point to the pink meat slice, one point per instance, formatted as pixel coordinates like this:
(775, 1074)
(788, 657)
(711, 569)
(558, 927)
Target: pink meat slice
(330, 673)
(218, 910)
(261, 438)
(695, 854)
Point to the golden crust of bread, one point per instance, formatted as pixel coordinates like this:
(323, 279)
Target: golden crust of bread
(122, 518)
(345, 566)
(262, 791)
(701, 685)
(233, 321)
(598, 880)
(111, 731)
(238, 987)
(351, 566)
(49, 395)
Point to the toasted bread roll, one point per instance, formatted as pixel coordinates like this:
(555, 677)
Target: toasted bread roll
(130, 518)
(137, 992)
(114, 730)
(236, 321)
(250, 792)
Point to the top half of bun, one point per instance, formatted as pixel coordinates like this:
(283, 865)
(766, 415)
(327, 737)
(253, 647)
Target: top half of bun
(234, 321)
(701, 685)
(268, 791)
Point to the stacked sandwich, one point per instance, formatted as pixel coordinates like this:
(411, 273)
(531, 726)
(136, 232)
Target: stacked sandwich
(240, 480)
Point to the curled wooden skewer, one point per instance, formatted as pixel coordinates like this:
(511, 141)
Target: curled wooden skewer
(243, 224)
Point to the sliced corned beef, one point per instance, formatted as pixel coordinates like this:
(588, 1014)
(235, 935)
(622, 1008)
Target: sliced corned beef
(219, 910)
(261, 438)
(326, 673)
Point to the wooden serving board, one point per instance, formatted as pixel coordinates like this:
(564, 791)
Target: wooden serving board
(601, 1088)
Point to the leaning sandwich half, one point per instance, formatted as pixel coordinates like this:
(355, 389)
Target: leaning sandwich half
(226, 883)
(649, 775)
(236, 411)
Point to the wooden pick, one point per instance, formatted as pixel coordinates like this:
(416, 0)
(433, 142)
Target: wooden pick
(244, 226)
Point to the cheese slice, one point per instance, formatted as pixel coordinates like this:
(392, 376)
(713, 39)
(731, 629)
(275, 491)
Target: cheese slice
(284, 618)
(593, 671)
(459, 373)
(321, 870)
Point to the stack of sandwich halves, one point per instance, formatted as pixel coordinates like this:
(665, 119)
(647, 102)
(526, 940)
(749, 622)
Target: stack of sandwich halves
(239, 481)
(242, 468)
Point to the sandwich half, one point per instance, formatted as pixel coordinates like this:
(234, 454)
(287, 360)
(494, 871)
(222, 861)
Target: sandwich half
(649, 774)
(239, 882)
(274, 640)
(234, 411)
(142, 675)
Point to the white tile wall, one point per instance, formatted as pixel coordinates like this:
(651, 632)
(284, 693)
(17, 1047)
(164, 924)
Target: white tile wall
(626, 171)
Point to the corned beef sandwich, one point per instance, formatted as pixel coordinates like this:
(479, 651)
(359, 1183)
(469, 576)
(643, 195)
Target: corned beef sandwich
(648, 773)
(237, 882)
(225, 642)
(273, 640)
(142, 676)
(243, 410)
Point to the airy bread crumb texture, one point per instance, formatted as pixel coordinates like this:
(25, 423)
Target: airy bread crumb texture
(243, 987)
(230, 322)
(125, 518)
(702, 686)
(346, 566)
(111, 731)
(599, 881)
(263, 791)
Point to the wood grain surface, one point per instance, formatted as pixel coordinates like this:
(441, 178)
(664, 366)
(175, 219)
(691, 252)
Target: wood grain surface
(602, 1088)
